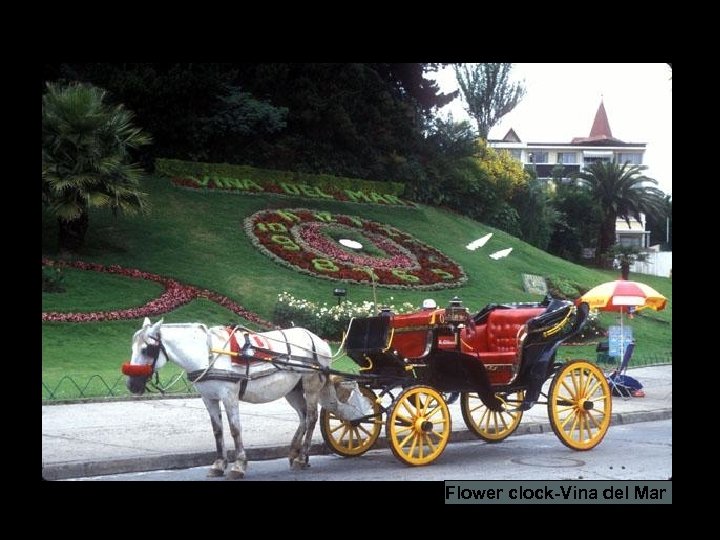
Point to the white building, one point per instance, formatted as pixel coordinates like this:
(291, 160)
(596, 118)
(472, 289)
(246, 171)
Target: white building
(560, 159)
(634, 235)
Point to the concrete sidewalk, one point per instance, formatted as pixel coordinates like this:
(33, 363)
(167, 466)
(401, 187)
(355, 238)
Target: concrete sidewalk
(94, 439)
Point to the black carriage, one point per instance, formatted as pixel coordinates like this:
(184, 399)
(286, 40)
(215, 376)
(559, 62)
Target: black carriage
(497, 359)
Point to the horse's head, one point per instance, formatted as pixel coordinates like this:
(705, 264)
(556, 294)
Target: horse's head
(148, 355)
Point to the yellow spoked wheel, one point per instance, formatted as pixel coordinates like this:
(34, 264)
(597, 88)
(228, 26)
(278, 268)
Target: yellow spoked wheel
(350, 439)
(418, 426)
(580, 405)
(491, 426)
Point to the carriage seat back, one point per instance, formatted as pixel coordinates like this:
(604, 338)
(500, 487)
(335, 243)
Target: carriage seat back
(412, 333)
(367, 334)
(498, 337)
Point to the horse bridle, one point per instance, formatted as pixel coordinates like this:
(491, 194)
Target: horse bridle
(153, 351)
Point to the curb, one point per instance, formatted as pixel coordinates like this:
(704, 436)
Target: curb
(65, 470)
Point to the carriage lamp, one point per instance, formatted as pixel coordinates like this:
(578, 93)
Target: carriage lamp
(340, 293)
(456, 312)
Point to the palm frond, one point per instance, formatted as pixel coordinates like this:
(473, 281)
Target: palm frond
(85, 143)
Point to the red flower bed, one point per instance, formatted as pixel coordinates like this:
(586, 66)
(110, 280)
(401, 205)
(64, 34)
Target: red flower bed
(175, 295)
(297, 238)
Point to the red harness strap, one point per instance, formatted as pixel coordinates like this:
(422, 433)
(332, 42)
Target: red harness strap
(235, 347)
(258, 344)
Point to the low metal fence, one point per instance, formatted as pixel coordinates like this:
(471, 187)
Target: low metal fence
(94, 388)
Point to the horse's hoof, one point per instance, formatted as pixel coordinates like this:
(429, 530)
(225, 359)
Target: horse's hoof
(298, 465)
(236, 475)
(214, 473)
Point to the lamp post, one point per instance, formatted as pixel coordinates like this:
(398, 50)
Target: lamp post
(357, 246)
(340, 294)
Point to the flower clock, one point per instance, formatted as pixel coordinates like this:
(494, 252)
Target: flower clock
(351, 249)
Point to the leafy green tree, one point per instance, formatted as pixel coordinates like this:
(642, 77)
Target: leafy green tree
(621, 191)
(409, 83)
(86, 143)
(537, 216)
(170, 100)
(352, 119)
(451, 174)
(577, 224)
(660, 227)
(469, 177)
(237, 124)
(501, 169)
(488, 93)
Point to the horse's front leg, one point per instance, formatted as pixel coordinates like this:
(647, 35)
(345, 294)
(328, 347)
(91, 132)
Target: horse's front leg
(213, 407)
(232, 409)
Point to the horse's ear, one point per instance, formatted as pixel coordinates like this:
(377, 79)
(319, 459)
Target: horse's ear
(146, 323)
(155, 328)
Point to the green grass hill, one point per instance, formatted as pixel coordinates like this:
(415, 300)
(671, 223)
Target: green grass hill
(198, 239)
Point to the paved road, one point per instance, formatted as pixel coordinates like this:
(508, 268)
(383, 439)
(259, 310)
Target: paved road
(629, 452)
(92, 439)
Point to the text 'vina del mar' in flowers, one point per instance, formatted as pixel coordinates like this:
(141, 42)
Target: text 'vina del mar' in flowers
(295, 189)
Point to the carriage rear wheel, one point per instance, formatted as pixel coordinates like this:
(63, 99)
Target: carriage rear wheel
(418, 426)
(580, 405)
(350, 439)
(492, 426)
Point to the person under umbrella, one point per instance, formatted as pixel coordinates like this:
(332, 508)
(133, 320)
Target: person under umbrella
(624, 296)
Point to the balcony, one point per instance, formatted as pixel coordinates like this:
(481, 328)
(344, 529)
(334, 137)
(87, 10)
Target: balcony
(545, 170)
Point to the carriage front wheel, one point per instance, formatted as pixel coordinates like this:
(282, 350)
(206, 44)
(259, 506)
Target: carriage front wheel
(580, 405)
(418, 426)
(492, 426)
(350, 439)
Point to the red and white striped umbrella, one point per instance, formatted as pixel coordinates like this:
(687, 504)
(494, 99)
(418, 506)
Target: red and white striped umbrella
(621, 294)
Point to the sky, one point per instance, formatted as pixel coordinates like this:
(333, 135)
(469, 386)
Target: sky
(561, 101)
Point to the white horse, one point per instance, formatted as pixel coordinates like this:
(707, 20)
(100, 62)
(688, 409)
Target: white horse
(279, 364)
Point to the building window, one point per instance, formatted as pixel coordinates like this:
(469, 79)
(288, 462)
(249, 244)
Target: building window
(538, 157)
(516, 154)
(567, 157)
(597, 156)
(634, 158)
(629, 240)
(589, 160)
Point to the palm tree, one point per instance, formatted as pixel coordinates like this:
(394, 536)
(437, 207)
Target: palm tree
(85, 162)
(626, 257)
(620, 190)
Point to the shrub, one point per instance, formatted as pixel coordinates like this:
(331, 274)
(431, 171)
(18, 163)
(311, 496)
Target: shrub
(327, 322)
(179, 168)
(561, 287)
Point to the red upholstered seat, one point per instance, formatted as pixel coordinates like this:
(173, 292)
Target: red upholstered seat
(496, 341)
(501, 333)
